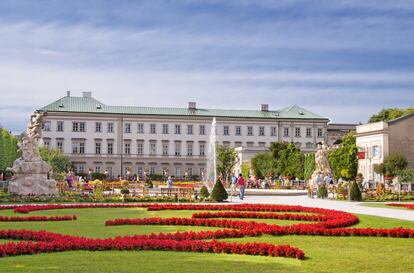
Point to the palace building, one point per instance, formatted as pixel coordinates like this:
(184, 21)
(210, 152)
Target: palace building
(131, 139)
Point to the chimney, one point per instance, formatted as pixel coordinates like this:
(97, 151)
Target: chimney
(192, 106)
(87, 94)
(67, 93)
(265, 107)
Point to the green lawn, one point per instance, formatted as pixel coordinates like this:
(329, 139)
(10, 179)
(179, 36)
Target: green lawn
(382, 205)
(325, 254)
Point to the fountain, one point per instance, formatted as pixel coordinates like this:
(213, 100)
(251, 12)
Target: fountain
(211, 171)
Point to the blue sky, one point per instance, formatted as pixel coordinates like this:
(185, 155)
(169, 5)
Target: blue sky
(342, 59)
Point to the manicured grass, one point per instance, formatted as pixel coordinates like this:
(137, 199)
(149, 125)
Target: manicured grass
(382, 205)
(325, 254)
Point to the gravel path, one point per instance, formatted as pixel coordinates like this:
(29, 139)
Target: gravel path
(352, 207)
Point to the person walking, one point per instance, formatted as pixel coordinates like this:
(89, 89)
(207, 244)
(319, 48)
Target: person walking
(169, 182)
(241, 184)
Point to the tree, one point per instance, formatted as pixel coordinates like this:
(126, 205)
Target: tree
(309, 165)
(204, 192)
(8, 149)
(291, 161)
(343, 160)
(226, 160)
(406, 175)
(57, 160)
(394, 163)
(263, 165)
(388, 114)
(219, 193)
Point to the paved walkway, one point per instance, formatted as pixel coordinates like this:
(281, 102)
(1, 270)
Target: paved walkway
(352, 207)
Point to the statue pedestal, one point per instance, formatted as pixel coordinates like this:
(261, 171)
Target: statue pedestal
(30, 178)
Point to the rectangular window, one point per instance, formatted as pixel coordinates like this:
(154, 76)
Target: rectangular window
(262, 144)
(286, 131)
(320, 132)
(177, 148)
(297, 132)
(98, 126)
(60, 126)
(261, 131)
(46, 126)
(127, 148)
(153, 148)
(189, 148)
(78, 147)
(153, 128)
(238, 144)
(238, 130)
(226, 130)
(78, 126)
(97, 148)
(109, 169)
(110, 148)
(375, 151)
(152, 170)
(127, 128)
(189, 129)
(190, 172)
(177, 172)
(165, 129)
(249, 130)
(308, 132)
(97, 169)
(140, 148)
(140, 128)
(178, 129)
(165, 149)
(110, 127)
(59, 146)
(202, 130)
(46, 143)
(273, 131)
(140, 171)
(202, 149)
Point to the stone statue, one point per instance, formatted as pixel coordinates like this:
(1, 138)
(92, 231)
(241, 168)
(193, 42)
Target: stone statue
(322, 167)
(31, 173)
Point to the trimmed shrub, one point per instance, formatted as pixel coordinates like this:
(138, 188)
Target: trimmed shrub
(124, 191)
(355, 192)
(204, 192)
(219, 193)
(322, 192)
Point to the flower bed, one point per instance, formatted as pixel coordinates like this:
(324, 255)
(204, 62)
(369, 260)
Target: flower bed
(407, 206)
(37, 218)
(322, 222)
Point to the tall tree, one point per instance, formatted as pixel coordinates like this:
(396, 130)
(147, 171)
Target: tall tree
(263, 165)
(309, 165)
(388, 114)
(8, 149)
(226, 160)
(57, 160)
(291, 161)
(343, 160)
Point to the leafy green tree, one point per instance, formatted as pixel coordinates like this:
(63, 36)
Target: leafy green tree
(343, 160)
(406, 175)
(309, 165)
(388, 114)
(226, 160)
(263, 165)
(394, 163)
(245, 169)
(8, 149)
(291, 161)
(57, 160)
(219, 193)
(204, 192)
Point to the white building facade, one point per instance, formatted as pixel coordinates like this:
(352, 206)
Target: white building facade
(121, 139)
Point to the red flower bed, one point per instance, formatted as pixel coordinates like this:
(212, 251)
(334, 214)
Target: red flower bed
(322, 222)
(37, 218)
(407, 206)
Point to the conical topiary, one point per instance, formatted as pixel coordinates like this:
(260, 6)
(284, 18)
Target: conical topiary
(204, 192)
(322, 192)
(219, 193)
(355, 192)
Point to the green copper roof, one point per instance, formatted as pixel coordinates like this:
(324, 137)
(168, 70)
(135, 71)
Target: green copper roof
(91, 105)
